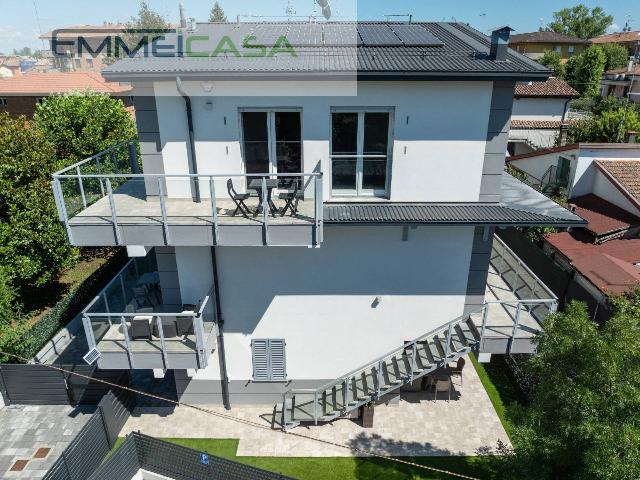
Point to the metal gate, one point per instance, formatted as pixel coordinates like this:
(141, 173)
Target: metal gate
(41, 385)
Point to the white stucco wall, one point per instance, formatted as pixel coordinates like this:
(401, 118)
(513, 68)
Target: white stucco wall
(538, 108)
(439, 130)
(603, 187)
(195, 273)
(321, 301)
(538, 165)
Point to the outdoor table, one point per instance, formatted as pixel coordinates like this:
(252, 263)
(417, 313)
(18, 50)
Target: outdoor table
(271, 183)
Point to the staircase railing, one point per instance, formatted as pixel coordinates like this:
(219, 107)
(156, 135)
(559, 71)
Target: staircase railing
(343, 381)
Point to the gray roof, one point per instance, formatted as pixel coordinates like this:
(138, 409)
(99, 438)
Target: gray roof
(370, 49)
(519, 205)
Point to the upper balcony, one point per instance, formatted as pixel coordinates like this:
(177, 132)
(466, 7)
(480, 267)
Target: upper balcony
(105, 200)
(132, 327)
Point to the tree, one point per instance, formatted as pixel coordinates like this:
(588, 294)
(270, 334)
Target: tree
(617, 56)
(33, 245)
(610, 121)
(583, 72)
(553, 60)
(584, 416)
(23, 52)
(82, 124)
(217, 14)
(581, 22)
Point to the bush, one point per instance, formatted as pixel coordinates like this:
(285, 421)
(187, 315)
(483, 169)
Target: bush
(82, 124)
(617, 56)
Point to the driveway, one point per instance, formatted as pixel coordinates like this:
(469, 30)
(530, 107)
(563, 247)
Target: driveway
(33, 437)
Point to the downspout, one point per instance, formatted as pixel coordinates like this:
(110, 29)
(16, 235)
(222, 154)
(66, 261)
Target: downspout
(193, 162)
(220, 324)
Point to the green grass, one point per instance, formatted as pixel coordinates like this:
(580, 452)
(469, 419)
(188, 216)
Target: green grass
(343, 468)
(505, 395)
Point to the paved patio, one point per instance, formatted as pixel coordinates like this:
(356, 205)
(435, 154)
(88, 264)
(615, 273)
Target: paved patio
(417, 425)
(25, 429)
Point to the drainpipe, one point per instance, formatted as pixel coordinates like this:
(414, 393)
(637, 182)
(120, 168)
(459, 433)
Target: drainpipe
(220, 323)
(193, 162)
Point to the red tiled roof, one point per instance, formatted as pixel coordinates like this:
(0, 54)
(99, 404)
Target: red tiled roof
(536, 124)
(37, 83)
(603, 217)
(618, 71)
(619, 37)
(552, 88)
(624, 174)
(546, 36)
(610, 266)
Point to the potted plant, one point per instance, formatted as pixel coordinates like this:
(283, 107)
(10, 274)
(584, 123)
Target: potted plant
(367, 415)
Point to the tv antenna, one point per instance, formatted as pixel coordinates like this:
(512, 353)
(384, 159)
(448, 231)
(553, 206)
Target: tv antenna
(290, 11)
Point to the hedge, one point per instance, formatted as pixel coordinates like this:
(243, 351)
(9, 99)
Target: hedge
(72, 304)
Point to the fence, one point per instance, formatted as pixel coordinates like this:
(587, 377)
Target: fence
(27, 384)
(96, 439)
(141, 452)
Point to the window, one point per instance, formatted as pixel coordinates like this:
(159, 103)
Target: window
(3, 102)
(40, 99)
(571, 49)
(272, 143)
(89, 62)
(558, 49)
(360, 150)
(269, 360)
(77, 62)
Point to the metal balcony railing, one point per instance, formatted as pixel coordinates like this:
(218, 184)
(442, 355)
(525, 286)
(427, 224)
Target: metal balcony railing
(134, 296)
(109, 189)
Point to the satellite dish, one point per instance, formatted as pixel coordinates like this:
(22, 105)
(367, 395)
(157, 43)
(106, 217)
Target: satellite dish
(326, 8)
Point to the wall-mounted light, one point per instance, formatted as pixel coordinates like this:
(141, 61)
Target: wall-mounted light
(208, 105)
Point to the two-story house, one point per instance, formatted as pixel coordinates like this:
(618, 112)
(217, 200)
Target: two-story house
(298, 215)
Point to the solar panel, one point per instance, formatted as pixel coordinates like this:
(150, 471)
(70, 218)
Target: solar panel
(92, 356)
(416, 35)
(268, 34)
(236, 33)
(305, 35)
(378, 35)
(341, 34)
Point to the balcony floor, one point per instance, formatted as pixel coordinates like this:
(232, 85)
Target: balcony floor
(501, 317)
(133, 206)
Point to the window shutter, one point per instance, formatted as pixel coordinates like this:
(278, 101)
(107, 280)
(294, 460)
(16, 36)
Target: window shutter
(269, 360)
(278, 360)
(260, 352)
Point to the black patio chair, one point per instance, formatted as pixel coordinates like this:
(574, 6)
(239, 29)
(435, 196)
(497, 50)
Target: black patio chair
(292, 198)
(140, 328)
(238, 199)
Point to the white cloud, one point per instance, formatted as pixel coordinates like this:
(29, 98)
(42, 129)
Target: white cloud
(613, 28)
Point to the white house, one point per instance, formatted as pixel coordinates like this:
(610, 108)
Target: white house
(381, 161)
(539, 114)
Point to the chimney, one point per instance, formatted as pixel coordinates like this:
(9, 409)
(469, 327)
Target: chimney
(631, 136)
(183, 20)
(630, 66)
(500, 43)
(564, 131)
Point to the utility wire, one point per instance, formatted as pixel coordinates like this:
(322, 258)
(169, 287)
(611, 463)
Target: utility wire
(246, 422)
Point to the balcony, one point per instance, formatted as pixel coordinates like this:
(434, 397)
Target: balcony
(105, 201)
(132, 328)
(516, 304)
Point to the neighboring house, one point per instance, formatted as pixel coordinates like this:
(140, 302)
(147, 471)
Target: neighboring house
(67, 57)
(603, 183)
(622, 83)
(10, 66)
(534, 44)
(629, 40)
(392, 194)
(539, 113)
(20, 95)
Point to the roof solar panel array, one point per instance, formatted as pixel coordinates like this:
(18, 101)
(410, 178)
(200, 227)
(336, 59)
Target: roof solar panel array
(341, 35)
(416, 36)
(378, 35)
(305, 34)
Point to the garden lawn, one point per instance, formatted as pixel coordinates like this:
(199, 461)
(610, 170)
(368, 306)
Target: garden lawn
(343, 468)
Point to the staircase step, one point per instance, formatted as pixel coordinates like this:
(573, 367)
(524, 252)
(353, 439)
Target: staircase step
(423, 359)
(473, 329)
(440, 346)
(465, 333)
(435, 351)
(423, 348)
(455, 345)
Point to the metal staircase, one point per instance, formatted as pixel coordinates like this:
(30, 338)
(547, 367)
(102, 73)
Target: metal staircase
(384, 375)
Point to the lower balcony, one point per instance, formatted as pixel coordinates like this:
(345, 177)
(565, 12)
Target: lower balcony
(130, 327)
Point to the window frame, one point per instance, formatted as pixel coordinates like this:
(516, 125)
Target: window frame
(271, 136)
(359, 191)
(4, 101)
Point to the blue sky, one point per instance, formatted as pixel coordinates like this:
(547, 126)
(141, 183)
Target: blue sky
(19, 25)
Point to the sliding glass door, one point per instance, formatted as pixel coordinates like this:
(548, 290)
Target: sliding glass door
(360, 153)
(272, 143)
